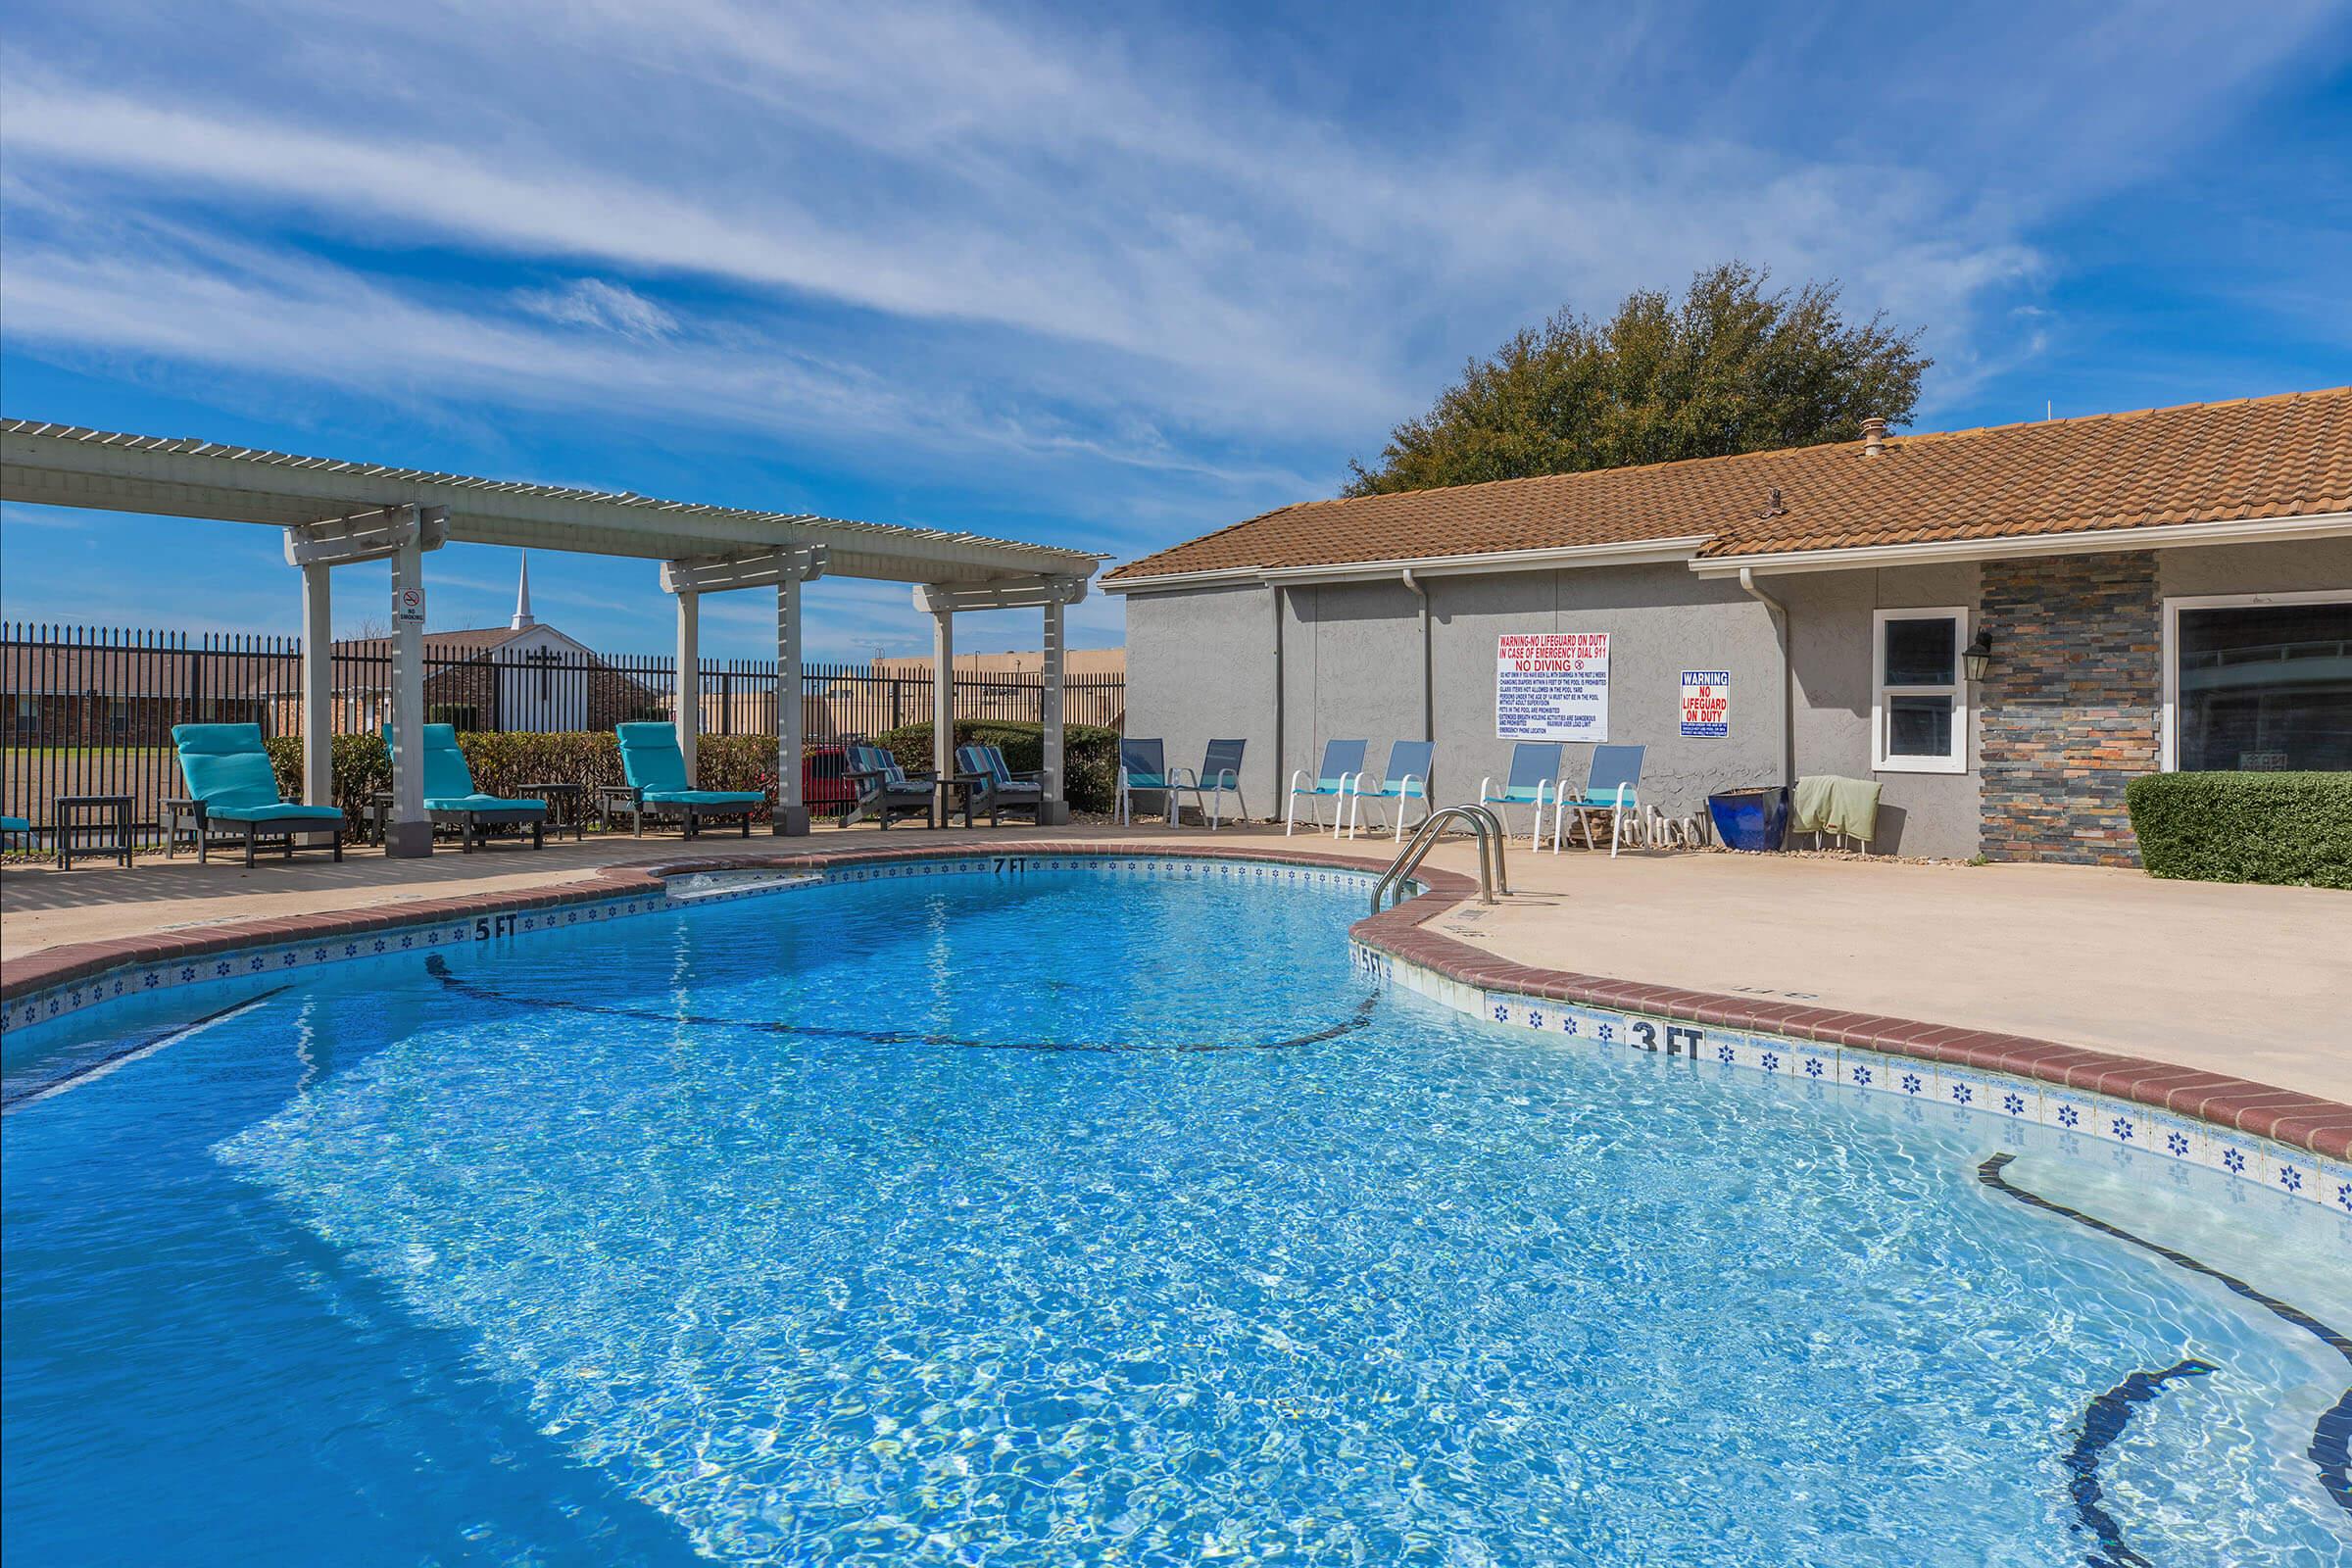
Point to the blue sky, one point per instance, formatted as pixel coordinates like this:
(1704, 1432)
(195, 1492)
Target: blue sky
(1107, 280)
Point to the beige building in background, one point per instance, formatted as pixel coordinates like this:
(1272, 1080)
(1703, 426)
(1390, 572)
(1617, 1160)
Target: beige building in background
(1076, 662)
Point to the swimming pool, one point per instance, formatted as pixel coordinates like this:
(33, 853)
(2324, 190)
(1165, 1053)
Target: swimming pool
(1067, 1217)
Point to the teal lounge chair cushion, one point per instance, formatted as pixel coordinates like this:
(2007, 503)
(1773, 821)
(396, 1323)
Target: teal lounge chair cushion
(226, 767)
(482, 803)
(15, 824)
(703, 798)
(274, 811)
(449, 777)
(650, 758)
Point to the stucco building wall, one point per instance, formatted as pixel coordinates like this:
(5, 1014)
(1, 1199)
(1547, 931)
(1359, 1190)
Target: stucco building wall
(2072, 694)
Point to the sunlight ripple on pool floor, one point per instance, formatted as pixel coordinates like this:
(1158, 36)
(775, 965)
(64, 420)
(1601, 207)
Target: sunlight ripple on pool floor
(1421, 1290)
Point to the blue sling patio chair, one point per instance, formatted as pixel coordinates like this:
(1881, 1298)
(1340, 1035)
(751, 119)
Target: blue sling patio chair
(1406, 779)
(232, 793)
(1144, 771)
(999, 788)
(1342, 760)
(452, 800)
(1611, 790)
(659, 788)
(885, 790)
(1219, 774)
(1535, 780)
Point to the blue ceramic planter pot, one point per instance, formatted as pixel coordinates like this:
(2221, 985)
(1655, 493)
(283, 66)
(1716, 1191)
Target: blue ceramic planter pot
(1751, 819)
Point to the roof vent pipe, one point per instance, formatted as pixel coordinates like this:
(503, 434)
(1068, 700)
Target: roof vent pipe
(1874, 437)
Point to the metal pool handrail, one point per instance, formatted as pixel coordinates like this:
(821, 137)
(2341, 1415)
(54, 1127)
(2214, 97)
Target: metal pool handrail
(1482, 821)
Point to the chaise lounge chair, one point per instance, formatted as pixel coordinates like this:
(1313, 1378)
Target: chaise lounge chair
(452, 800)
(233, 789)
(1610, 791)
(1407, 779)
(997, 788)
(1144, 771)
(1534, 781)
(887, 790)
(1342, 760)
(658, 787)
(1220, 772)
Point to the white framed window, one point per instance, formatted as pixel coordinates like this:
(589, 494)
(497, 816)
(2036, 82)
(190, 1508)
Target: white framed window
(1919, 699)
(2257, 682)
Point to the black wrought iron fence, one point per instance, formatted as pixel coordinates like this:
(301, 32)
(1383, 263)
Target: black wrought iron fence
(90, 709)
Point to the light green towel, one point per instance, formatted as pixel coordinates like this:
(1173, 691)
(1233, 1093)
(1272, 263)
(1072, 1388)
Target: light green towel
(1825, 803)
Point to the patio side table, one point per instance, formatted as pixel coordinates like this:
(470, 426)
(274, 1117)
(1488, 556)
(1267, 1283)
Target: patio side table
(93, 811)
(954, 785)
(573, 813)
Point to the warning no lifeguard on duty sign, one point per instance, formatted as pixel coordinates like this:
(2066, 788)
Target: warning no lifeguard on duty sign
(1706, 703)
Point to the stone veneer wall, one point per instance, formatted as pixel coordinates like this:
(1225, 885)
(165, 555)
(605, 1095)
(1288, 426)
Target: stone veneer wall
(2070, 708)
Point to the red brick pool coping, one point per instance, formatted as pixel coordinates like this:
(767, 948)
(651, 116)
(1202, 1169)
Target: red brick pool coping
(2304, 1121)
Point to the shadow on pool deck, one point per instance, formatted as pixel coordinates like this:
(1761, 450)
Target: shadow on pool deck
(2249, 981)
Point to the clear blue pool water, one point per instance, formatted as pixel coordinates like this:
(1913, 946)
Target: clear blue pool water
(767, 1232)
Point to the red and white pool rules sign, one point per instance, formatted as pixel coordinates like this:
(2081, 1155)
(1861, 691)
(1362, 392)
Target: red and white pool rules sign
(1552, 686)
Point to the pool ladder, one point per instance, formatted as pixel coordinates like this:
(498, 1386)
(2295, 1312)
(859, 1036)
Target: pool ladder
(1482, 821)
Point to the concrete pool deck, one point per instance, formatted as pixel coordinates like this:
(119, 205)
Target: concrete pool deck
(2249, 982)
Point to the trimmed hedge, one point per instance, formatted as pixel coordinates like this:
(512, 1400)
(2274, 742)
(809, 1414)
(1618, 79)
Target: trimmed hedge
(508, 764)
(1090, 754)
(2290, 828)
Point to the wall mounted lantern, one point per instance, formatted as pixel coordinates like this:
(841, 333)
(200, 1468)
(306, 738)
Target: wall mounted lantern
(1977, 657)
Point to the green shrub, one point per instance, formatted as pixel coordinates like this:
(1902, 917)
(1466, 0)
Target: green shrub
(2291, 828)
(363, 767)
(510, 764)
(1090, 754)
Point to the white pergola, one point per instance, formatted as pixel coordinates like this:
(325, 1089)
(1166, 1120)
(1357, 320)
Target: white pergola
(335, 514)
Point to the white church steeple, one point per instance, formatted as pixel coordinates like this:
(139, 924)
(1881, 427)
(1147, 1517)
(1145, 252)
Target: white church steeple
(522, 597)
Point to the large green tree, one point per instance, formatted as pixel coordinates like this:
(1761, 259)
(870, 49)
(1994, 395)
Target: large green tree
(1728, 368)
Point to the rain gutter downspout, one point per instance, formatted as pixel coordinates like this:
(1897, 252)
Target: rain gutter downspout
(1780, 632)
(1275, 592)
(1429, 717)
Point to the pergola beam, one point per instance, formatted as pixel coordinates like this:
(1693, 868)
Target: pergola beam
(758, 568)
(1018, 593)
(376, 534)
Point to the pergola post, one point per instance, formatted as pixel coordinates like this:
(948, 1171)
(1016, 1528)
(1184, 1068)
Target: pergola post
(792, 808)
(1055, 806)
(785, 570)
(317, 685)
(403, 533)
(690, 677)
(942, 705)
(410, 832)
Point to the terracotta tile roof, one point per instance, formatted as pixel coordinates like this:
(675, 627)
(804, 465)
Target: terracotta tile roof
(2277, 457)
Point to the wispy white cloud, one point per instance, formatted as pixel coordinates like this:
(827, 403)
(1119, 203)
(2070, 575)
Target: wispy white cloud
(608, 307)
(1005, 253)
